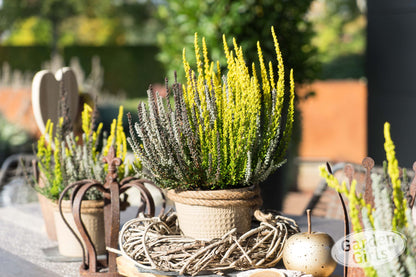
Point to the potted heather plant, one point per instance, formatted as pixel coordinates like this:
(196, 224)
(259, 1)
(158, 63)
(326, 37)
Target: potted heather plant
(222, 137)
(64, 158)
(389, 207)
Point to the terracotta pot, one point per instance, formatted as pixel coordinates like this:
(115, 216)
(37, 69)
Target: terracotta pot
(92, 214)
(47, 208)
(212, 214)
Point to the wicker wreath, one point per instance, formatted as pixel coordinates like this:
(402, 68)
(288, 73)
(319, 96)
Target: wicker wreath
(156, 244)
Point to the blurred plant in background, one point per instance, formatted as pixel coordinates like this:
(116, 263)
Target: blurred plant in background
(15, 79)
(13, 139)
(341, 23)
(308, 31)
(248, 22)
(60, 23)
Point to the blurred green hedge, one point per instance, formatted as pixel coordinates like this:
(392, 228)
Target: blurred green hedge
(24, 58)
(350, 66)
(126, 68)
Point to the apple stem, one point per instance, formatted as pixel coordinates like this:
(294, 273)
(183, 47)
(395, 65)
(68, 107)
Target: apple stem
(308, 214)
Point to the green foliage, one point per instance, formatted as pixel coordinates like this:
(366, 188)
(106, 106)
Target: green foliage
(72, 158)
(248, 22)
(31, 31)
(61, 23)
(54, 11)
(223, 132)
(340, 23)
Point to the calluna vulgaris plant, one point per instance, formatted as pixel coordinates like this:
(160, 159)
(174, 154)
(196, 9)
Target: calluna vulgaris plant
(223, 131)
(72, 158)
(390, 211)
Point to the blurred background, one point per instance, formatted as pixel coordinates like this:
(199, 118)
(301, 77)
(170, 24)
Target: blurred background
(119, 47)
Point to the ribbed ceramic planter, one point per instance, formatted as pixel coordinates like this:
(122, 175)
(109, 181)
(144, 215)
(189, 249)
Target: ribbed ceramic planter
(92, 214)
(212, 213)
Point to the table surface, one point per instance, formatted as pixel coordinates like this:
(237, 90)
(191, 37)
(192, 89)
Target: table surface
(23, 242)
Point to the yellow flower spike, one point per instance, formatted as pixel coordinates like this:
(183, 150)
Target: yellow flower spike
(355, 202)
(278, 54)
(343, 187)
(50, 136)
(120, 135)
(291, 114)
(352, 190)
(96, 135)
(399, 218)
(111, 137)
(226, 50)
(86, 119)
(58, 172)
(323, 172)
(271, 74)
(263, 72)
(207, 68)
(197, 55)
(218, 72)
(120, 116)
(188, 85)
(370, 214)
(186, 66)
(354, 207)
(124, 140)
(331, 180)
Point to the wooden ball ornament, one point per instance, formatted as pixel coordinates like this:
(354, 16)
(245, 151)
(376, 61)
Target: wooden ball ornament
(310, 252)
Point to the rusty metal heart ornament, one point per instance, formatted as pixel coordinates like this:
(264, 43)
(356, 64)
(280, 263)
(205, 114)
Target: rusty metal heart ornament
(45, 95)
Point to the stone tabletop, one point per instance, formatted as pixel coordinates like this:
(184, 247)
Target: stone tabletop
(22, 241)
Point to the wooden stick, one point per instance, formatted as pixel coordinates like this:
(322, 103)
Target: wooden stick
(308, 214)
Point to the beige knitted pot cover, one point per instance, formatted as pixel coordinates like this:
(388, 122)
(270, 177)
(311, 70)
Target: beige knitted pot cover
(210, 214)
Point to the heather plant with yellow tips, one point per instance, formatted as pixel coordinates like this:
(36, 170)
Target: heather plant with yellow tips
(224, 131)
(118, 140)
(72, 158)
(391, 210)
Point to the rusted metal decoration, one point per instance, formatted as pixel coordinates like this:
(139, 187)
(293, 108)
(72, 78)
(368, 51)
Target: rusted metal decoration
(349, 171)
(368, 164)
(111, 190)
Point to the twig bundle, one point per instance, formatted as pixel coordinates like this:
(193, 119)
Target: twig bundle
(156, 244)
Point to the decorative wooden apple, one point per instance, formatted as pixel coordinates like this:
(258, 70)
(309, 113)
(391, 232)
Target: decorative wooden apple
(310, 252)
